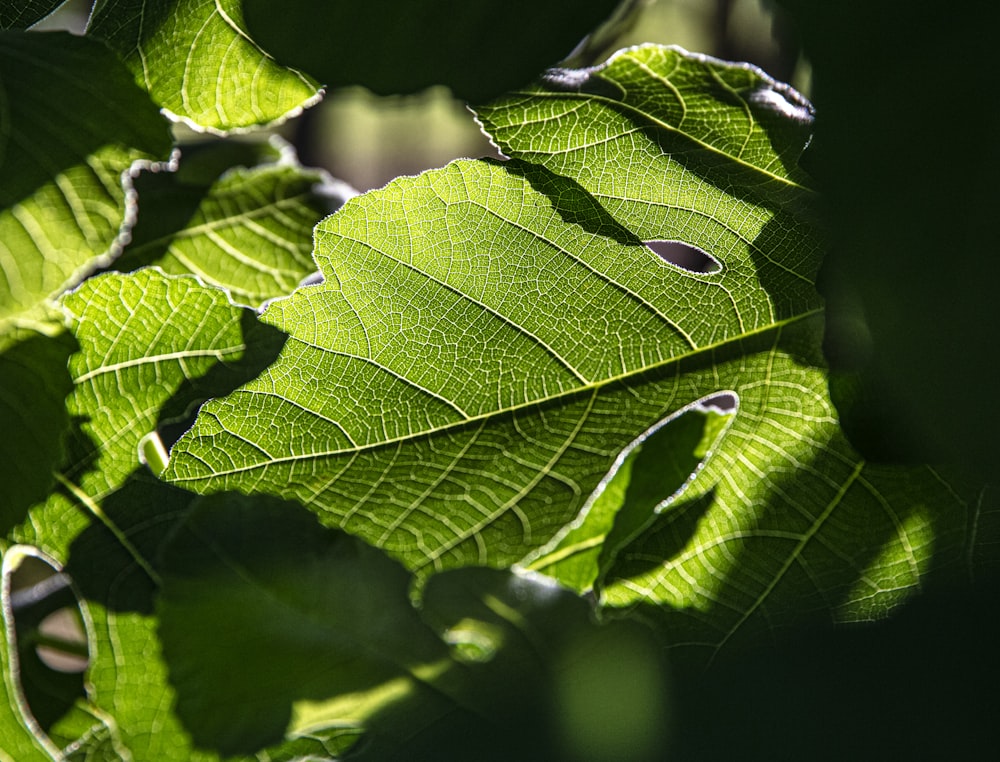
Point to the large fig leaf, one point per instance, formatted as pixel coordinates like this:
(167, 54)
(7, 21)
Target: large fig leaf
(198, 62)
(490, 336)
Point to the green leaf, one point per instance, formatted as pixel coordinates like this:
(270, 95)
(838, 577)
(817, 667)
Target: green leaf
(491, 336)
(575, 690)
(175, 341)
(267, 620)
(64, 165)
(479, 48)
(647, 474)
(274, 627)
(20, 14)
(170, 341)
(196, 60)
(34, 384)
(248, 230)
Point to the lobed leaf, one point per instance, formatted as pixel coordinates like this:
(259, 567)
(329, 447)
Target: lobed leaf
(491, 336)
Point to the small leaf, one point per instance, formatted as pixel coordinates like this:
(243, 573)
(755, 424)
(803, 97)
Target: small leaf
(155, 336)
(196, 60)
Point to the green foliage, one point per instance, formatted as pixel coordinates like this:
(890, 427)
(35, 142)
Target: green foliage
(377, 43)
(481, 473)
(181, 50)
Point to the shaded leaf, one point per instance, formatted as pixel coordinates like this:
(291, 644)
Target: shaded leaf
(646, 476)
(20, 14)
(478, 48)
(195, 59)
(575, 690)
(64, 164)
(269, 622)
(175, 342)
(910, 276)
(21, 737)
(273, 626)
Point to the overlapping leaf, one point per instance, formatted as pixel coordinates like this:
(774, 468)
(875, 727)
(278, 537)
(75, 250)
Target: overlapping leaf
(478, 48)
(23, 13)
(247, 230)
(196, 60)
(490, 337)
(62, 200)
(855, 545)
(174, 342)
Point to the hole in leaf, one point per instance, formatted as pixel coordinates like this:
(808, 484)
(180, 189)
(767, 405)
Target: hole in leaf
(46, 633)
(723, 403)
(685, 256)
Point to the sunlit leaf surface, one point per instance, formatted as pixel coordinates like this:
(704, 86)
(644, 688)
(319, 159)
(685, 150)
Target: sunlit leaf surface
(490, 336)
(196, 60)
(248, 230)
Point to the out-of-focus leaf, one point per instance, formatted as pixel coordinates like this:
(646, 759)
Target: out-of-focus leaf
(197, 61)
(574, 689)
(72, 123)
(269, 622)
(479, 48)
(909, 279)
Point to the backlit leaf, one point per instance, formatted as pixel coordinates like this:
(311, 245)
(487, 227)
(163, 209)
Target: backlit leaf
(195, 59)
(490, 336)
(64, 164)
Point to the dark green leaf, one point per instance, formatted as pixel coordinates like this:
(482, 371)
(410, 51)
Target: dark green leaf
(20, 14)
(479, 48)
(34, 384)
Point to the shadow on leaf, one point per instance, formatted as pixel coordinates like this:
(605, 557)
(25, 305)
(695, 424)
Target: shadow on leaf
(35, 384)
